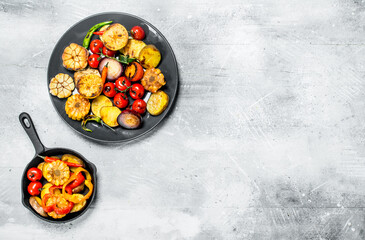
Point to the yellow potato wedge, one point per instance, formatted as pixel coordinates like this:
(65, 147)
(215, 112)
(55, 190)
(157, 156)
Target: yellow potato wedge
(98, 103)
(133, 48)
(157, 103)
(115, 37)
(90, 86)
(78, 206)
(149, 56)
(109, 115)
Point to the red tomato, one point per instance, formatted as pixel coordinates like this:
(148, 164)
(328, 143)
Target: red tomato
(139, 106)
(137, 33)
(95, 45)
(34, 174)
(34, 188)
(93, 60)
(122, 83)
(109, 89)
(136, 91)
(121, 100)
(108, 52)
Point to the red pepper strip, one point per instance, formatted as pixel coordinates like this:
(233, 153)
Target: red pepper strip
(50, 160)
(70, 164)
(78, 181)
(99, 33)
(44, 201)
(64, 210)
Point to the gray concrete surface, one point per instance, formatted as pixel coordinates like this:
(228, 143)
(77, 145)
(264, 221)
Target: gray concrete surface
(266, 140)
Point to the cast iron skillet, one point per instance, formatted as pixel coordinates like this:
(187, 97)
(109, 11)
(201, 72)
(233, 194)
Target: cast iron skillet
(28, 126)
(168, 67)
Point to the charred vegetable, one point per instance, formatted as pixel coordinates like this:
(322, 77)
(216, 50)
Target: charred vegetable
(89, 34)
(129, 119)
(77, 107)
(115, 68)
(90, 86)
(36, 204)
(149, 56)
(115, 37)
(74, 57)
(157, 103)
(133, 48)
(93, 118)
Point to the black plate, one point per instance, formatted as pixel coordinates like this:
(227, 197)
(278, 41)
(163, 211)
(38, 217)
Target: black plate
(40, 149)
(168, 67)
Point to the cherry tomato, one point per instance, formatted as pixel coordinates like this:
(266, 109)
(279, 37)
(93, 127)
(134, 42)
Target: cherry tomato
(108, 52)
(136, 91)
(34, 188)
(137, 33)
(121, 100)
(139, 106)
(34, 174)
(122, 83)
(93, 60)
(95, 45)
(109, 89)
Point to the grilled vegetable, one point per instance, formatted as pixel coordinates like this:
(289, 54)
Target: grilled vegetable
(90, 86)
(149, 56)
(69, 158)
(34, 174)
(133, 48)
(134, 72)
(129, 119)
(61, 85)
(34, 188)
(74, 57)
(101, 31)
(109, 115)
(93, 60)
(36, 204)
(93, 118)
(157, 103)
(56, 172)
(115, 68)
(137, 32)
(46, 188)
(77, 107)
(121, 100)
(109, 89)
(40, 166)
(139, 106)
(87, 71)
(115, 37)
(89, 34)
(100, 102)
(78, 206)
(153, 80)
(79, 188)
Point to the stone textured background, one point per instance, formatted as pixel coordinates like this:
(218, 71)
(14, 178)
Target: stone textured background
(266, 140)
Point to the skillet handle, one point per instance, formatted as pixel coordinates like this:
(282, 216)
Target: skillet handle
(29, 128)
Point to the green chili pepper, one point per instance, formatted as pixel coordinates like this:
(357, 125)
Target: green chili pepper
(89, 34)
(93, 118)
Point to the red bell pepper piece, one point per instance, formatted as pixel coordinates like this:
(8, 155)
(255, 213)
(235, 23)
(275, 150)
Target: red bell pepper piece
(99, 33)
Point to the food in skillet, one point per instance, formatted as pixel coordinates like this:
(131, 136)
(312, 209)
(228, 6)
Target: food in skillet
(115, 75)
(63, 191)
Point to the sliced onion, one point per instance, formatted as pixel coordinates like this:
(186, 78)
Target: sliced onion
(115, 68)
(129, 119)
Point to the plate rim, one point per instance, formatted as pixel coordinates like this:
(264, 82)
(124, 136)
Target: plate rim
(168, 110)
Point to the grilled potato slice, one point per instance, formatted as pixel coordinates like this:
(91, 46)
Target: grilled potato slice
(61, 85)
(98, 103)
(90, 86)
(110, 115)
(149, 56)
(74, 57)
(81, 73)
(78, 206)
(157, 103)
(115, 37)
(153, 80)
(77, 107)
(133, 48)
